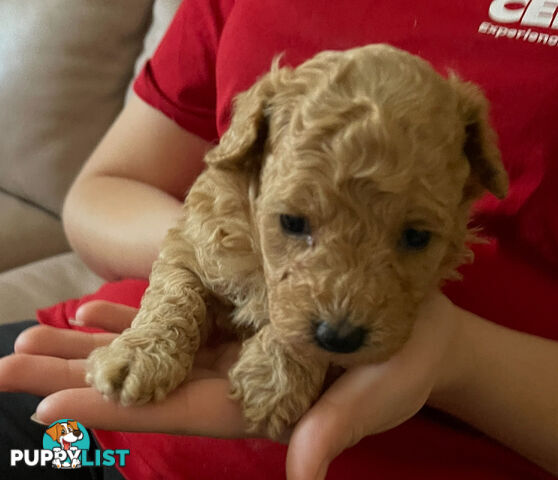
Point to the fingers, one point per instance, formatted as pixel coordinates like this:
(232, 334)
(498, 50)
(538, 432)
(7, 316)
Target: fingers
(40, 375)
(322, 434)
(109, 316)
(350, 409)
(64, 343)
(58, 342)
(200, 407)
(115, 318)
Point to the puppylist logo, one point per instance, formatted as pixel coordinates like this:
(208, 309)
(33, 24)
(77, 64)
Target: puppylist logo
(66, 446)
(531, 21)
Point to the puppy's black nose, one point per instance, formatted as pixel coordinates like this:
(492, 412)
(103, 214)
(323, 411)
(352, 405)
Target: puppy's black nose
(342, 338)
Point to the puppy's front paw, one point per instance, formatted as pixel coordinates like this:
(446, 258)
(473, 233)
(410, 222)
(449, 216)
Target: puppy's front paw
(135, 369)
(274, 388)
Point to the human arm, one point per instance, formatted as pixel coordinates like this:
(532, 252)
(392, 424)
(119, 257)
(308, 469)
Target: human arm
(130, 191)
(507, 387)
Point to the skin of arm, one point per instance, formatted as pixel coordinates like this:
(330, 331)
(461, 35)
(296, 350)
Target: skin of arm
(504, 383)
(130, 191)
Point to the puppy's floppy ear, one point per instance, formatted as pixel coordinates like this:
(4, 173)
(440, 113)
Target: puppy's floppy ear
(243, 143)
(480, 147)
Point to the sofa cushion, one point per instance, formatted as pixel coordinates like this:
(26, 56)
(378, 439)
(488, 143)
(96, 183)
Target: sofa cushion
(39, 162)
(25, 289)
(64, 69)
(27, 233)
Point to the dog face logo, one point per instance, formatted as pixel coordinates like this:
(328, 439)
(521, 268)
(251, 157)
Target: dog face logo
(66, 438)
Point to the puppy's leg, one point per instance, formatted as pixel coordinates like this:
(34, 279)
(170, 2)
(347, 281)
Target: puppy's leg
(155, 355)
(274, 383)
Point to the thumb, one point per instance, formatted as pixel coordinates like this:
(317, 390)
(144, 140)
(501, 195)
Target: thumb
(320, 436)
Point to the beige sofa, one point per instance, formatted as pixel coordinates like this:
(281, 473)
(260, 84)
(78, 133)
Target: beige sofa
(65, 71)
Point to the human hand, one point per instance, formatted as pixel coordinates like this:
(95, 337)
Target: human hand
(373, 398)
(198, 407)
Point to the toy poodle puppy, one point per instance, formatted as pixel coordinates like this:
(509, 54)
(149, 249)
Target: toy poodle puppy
(337, 199)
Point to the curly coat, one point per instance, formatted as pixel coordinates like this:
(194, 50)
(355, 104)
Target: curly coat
(364, 145)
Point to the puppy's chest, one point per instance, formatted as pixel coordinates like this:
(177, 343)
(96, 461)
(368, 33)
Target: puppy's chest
(219, 228)
(246, 294)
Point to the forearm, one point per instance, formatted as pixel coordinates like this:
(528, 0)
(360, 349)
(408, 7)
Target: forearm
(130, 191)
(116, 224)
(507, 387)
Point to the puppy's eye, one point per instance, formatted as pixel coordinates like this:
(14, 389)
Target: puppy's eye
(294, 225)
(412, 239)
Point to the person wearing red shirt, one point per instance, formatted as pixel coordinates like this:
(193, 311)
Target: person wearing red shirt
(488, 357)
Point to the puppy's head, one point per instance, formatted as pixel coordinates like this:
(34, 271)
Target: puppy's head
(363, 168)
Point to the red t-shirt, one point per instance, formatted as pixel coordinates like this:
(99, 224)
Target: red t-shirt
(217, 48)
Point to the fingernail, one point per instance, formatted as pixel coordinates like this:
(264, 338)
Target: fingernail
(77, 320)
(35, 419)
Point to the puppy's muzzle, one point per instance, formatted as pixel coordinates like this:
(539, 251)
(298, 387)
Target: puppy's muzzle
(340, 338)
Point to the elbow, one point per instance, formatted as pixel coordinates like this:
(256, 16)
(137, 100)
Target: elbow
(70, 214)
(76, 223)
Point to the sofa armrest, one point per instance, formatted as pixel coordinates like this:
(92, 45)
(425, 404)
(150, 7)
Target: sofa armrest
(27, 233)
(41, 284)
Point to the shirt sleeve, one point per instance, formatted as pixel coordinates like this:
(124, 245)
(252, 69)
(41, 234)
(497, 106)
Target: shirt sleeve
(179, 80)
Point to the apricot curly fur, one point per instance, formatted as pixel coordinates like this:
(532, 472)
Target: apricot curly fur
(363, 143)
